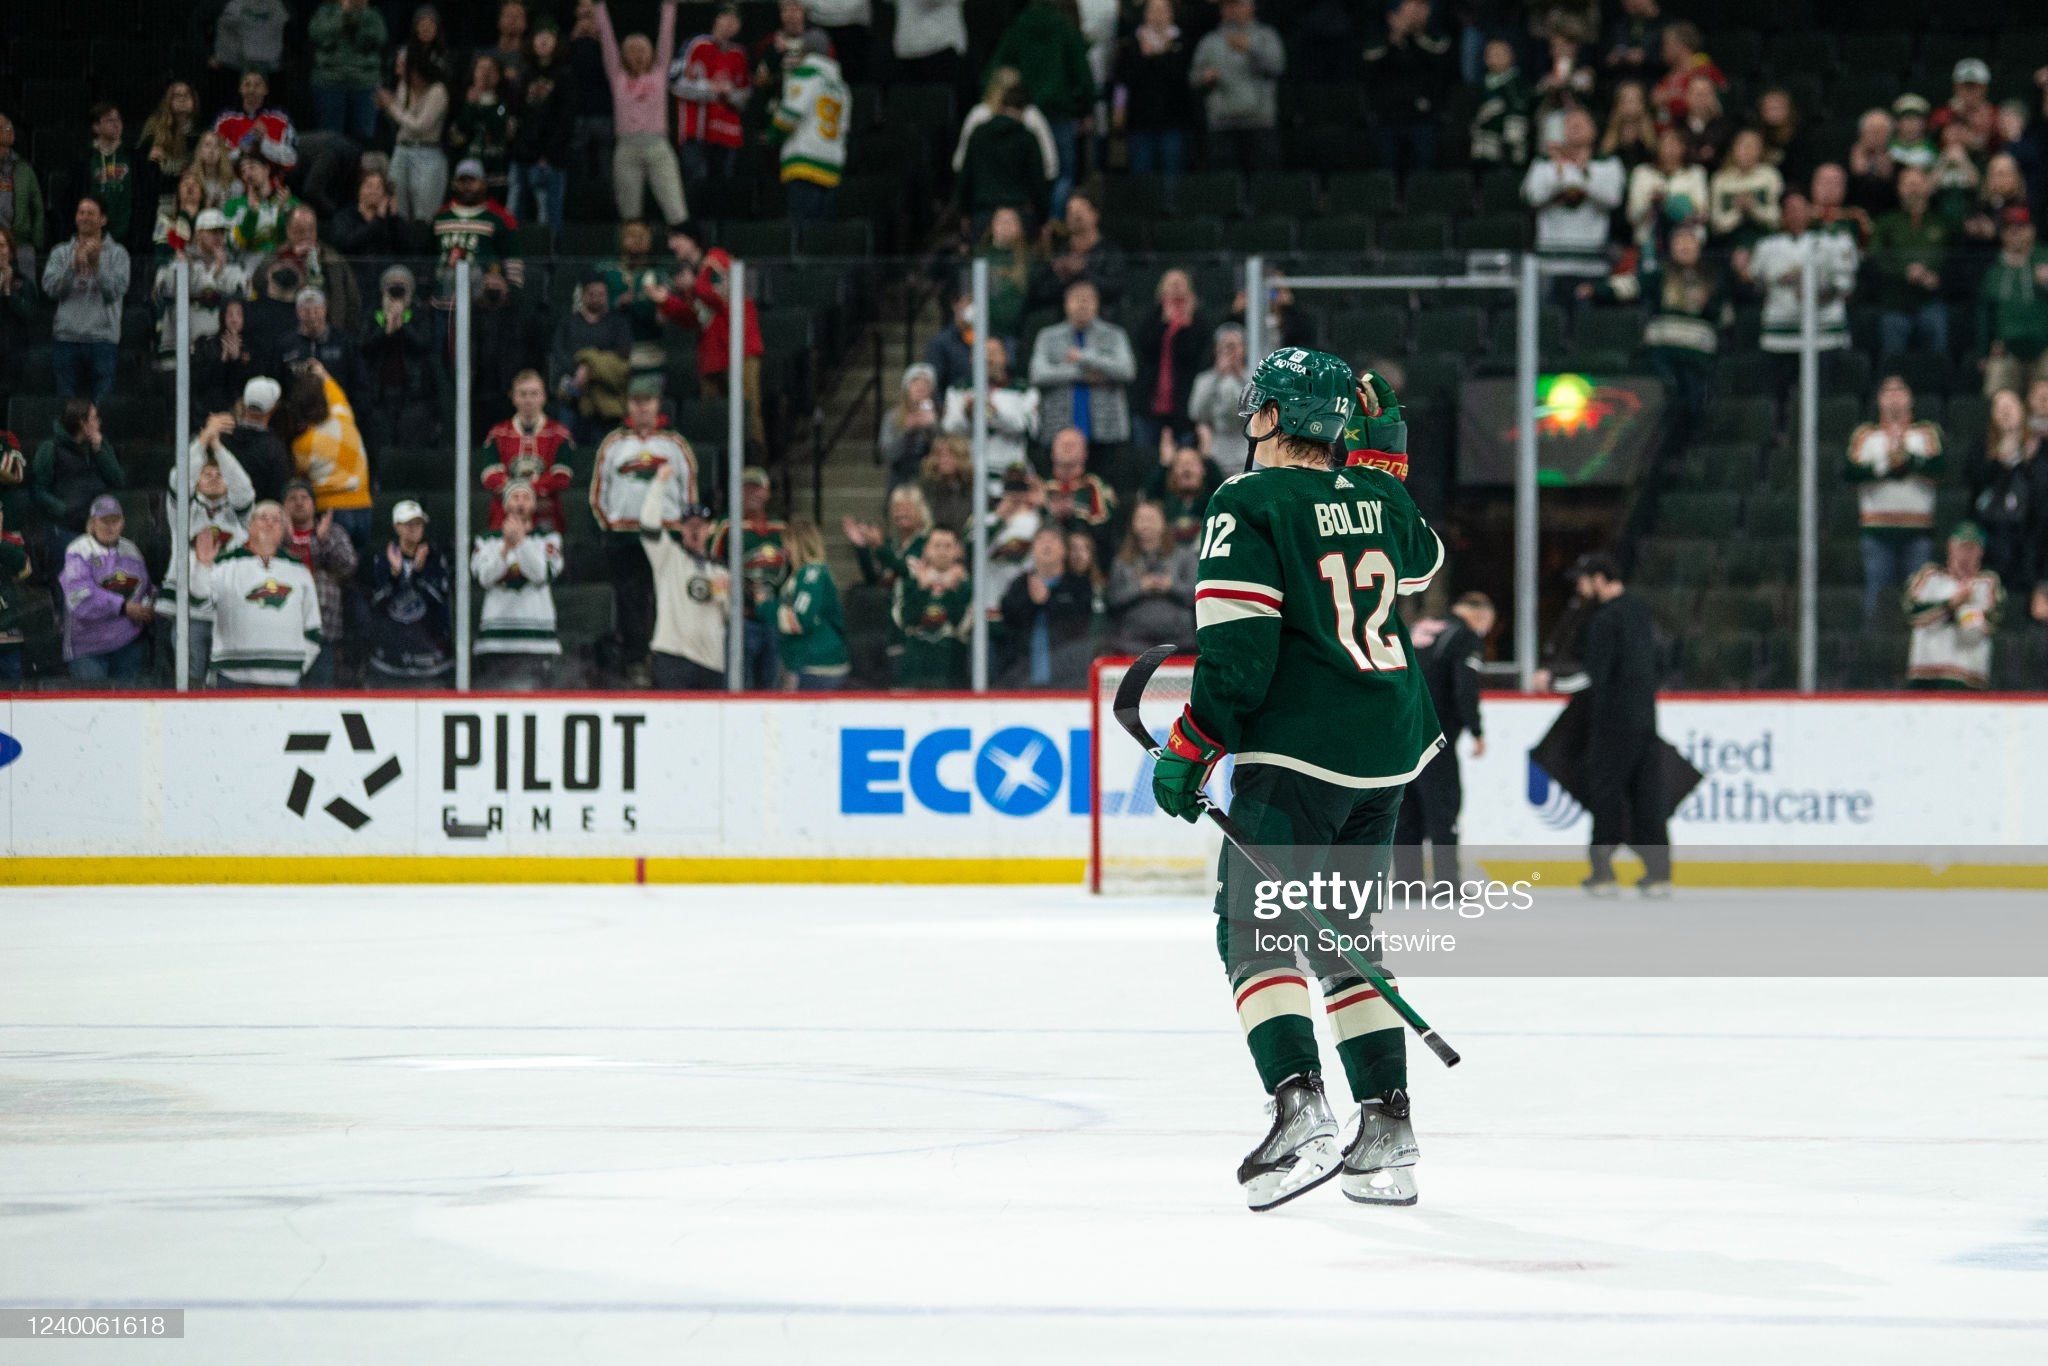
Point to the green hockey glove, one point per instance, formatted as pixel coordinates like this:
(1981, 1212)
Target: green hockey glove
(1379, 441)
(1182, 769)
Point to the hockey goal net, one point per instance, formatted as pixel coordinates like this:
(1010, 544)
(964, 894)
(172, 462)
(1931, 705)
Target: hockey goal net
(1135, 847)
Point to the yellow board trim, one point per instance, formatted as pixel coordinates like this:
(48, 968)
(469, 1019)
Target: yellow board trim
(1795, 873)
(314, 869)
(342, 869)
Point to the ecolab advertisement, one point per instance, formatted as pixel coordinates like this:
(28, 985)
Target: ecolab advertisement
(872, 779)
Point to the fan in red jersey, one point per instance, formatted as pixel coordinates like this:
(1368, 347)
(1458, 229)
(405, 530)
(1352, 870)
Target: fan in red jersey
(529, 445)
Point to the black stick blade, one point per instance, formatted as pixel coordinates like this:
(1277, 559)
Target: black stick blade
(1130, 693)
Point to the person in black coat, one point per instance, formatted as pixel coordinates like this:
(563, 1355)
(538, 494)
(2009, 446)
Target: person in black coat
(1171, 346)
(1155, 102)
(400, 403)
(314, 339)
(1619, 677)
(223, 364)
(2008, 478)
(258, 449)
(1409, 74)
(1449, 651)
(369, 232)
(504, 340)
(1046, 615)
(543, 131)
(1003, 168)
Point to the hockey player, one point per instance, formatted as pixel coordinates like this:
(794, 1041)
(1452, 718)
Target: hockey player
(1306, 674)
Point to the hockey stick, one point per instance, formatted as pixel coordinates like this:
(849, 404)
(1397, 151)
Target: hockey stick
(1129, 693)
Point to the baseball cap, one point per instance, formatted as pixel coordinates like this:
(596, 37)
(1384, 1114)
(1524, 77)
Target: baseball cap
(644, 386)
(1971, 71)
(754, 474)
(310, 295)
(1967, 531)
(210, 220)
(106, 505)
(261, 394)
(397, 275)
(1909, 104)
(469, 166)
(407, 511)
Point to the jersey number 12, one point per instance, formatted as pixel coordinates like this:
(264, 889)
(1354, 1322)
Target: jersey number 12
(1371, 651)
(1216, 536)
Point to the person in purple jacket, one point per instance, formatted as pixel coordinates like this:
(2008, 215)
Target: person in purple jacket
(107, 595)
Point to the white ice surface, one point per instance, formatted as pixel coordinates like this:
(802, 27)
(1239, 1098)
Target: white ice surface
(913, 1125)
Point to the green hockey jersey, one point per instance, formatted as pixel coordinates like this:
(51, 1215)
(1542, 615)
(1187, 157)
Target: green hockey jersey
(1302, 660)
(811, 631)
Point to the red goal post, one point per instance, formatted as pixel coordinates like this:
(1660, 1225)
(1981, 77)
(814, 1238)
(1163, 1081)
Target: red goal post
(1133, 847)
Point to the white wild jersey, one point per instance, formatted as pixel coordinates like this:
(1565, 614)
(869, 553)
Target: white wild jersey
(817, 107)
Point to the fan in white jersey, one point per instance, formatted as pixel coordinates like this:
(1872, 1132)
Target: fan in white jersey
(516, 566)
(266, 611)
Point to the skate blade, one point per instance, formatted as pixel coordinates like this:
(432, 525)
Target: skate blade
(1317, 1162)
(1381, 1186)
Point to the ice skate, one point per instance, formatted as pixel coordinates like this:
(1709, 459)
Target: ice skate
(1299, 1152)
(1379, 1164)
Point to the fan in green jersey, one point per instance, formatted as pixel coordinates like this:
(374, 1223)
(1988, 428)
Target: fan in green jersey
(1305, 673)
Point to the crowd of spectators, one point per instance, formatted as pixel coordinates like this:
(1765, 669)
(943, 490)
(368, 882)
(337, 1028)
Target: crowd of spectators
(360, 151)
(360, 155)
(1651, 181)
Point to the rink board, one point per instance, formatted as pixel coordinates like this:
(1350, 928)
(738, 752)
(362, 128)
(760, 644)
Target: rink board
(881, 788)
(605, 788)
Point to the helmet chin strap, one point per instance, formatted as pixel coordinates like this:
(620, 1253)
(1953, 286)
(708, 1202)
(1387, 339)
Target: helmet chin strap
(1251, 443)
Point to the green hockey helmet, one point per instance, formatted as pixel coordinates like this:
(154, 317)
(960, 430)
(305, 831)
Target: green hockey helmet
(1316, 392)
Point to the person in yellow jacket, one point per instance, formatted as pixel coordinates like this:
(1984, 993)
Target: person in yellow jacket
(327, 449)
